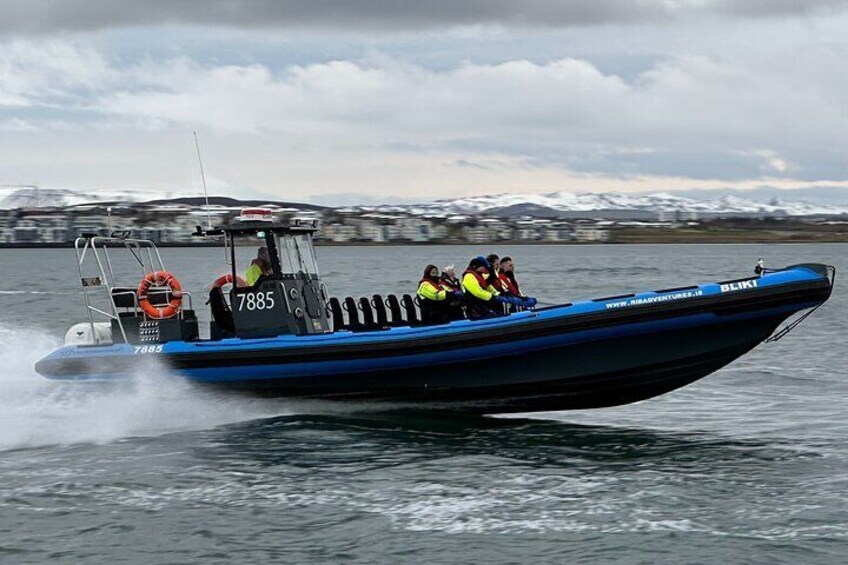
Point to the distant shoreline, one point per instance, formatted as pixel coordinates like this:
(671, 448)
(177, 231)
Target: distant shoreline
(635, 239)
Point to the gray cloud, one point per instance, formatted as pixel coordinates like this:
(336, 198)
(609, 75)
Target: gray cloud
(759, 8)
(698, 117)
(45, 16)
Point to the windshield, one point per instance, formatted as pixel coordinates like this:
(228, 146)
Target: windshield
(297, 254)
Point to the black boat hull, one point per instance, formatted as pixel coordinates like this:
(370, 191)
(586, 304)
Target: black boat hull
(606, 352)
(598, 374)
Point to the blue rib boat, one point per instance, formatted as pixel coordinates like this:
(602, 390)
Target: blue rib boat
(285, 336)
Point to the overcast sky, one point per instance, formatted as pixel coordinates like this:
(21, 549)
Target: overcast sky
(339, 100)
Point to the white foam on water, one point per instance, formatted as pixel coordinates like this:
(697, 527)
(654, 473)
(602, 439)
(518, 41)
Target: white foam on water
(27, 292)
(37, 412)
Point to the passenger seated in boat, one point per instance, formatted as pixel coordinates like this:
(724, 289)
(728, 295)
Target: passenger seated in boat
(453, 284)
(494, 271)
(261, 266)
(482, 299)
(506, 276)
(509, 284)
(449, 280)
(438, 303)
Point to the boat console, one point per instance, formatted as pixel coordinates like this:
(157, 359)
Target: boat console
(287, 299)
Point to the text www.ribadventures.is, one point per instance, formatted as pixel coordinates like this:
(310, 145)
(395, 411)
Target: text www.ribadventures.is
(654, 299)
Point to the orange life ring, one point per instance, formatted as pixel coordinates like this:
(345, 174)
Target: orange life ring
(228, 279)
(160, 278)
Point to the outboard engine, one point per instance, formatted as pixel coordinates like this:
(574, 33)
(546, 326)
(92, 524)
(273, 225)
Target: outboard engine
(85, 333)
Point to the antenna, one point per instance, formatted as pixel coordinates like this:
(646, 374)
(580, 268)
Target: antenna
(203, 178)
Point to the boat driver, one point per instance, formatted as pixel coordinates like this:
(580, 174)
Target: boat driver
(261, 266)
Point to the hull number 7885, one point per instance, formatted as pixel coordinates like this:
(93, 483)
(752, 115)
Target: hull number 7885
(148, 349)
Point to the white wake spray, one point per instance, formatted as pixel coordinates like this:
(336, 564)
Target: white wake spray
(37, 412)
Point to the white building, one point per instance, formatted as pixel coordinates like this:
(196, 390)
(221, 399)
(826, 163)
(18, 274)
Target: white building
(171, 234)
(591, 232)
(414, 229)
(152, 234)
(392, 232)
(367, 230)
(88, 223)
(476, 234)
(528, 233)
(6, 219)
(371, 231)
(556, 234)
(50, 228)
(338, 233)
(439, 232)
(24, 232)
(52, 234)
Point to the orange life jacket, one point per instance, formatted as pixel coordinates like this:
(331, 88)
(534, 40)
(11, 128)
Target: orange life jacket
(509, 284)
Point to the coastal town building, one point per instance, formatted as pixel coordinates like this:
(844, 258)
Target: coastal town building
(476, 234)
(174, 222)
(592, 231)
(337, 233)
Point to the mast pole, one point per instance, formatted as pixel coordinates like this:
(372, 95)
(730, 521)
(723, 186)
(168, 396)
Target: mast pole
(203, 179)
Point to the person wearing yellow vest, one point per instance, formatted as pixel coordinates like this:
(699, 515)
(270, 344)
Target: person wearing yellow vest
(438, 303)
(482, 299)
(259, 266)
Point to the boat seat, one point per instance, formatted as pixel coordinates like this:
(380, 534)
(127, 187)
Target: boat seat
(221, 313)
(381, 316)
(395, 310)
(334, 310)
(411, 310)
(368, 321)
(349, 305)
(124, 297)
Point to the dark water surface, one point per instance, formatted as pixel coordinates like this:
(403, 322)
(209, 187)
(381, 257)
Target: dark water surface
(749, 465)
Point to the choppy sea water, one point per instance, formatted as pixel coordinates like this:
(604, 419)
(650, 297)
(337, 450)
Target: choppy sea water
(749, 465)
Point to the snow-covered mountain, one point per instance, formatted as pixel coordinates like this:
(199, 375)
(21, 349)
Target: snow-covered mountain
(34, 197)
(505, 204)
(563, 201)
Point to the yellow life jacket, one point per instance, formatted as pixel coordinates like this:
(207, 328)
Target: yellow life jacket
(253, 273)
(471, 284)
(428, 290)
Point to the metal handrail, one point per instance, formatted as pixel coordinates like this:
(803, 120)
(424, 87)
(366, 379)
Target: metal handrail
(100, 244)
(286, 298)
